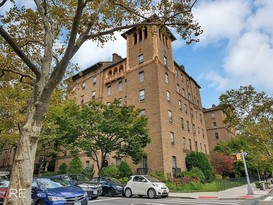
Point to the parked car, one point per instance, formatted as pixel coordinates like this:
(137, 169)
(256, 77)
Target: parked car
(110, 186)
(50, 191)
(93, 189)
(4, 183)
(145, 185)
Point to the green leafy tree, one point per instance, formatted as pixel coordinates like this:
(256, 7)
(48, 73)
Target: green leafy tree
(38, 43)
(88, 172)
(63, 169)
(251, 112)
(199, 160)
(111, 171)
(75, 166)
(124, 170)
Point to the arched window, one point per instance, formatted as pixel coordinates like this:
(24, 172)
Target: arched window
(110, 73)
(121, 68)
(115, 70)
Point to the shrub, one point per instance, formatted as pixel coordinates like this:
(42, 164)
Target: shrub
(48, 174)
(111, 171)
(63, 169)
(124, 170)
(75, 166)
(218, 177)
(198, 173)
(88, 172)
(199, 159)
(124, 180)
(159, 175)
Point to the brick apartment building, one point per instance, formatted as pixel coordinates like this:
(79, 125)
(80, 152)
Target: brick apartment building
(216, 129)
(151, 80)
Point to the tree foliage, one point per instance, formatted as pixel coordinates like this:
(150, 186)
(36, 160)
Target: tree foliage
(124, 170)
(222, 164)
(199, 160)
(251, 112)
(75, 166)
(39, 41)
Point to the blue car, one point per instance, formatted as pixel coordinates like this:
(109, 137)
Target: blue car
(53, 191)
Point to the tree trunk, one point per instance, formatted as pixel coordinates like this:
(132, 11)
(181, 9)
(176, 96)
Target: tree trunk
(23, 166)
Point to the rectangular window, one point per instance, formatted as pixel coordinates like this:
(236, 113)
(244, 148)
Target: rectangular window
(187, 83)
(125, 99)
(172, 138)
(188, 125)
(109, 90)
(140, 59)
(93, 94)
(174, 163)
(198, 103)
(120, 85)
(196, 146)
(214, 125)
(182, 123)
(200, 146)
(140, 35)
(142, 112)
(191, 111)
(180, 105)
(200, 116)
(193, 129)
(82, 99)
(168, 96)
(190, 146)
(205, 148)
(203, 133)
(166, 77)
(94, 80)
(216, 135)
(135, 38)
(141, 76)
(186, 108)
(183, 92)
(176, 73)
(141, 95)
(189, 97)
(212, 115)
(165, 60)
(170, 116)
(181, 77)
(118, 161)
(184, 143)
(177, 88)
(87, 164)
(83, 86)
(145, 33)
(198, 130)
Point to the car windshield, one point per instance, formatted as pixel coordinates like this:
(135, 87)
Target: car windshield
(51, 183)
(113, 180)
(152, 179)
(4, 183)
(79, 177)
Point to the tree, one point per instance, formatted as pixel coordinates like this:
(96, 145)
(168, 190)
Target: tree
(221, 163)
(75, 166)
(40, 41)
(199, 160)
(124, 170)
(63, 169)
(251, 112)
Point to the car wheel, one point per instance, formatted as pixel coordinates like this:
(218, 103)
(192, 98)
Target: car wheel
(111, 192)
(95, 197)
(140, 196)
(128, 193)
(151, 193)
(40, 202)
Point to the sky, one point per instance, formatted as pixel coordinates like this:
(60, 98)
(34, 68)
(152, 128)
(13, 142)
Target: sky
(235, 49)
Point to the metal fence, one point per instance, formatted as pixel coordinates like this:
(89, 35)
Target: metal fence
(233, 182)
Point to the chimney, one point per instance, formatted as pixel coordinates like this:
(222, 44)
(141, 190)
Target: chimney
(116, 58)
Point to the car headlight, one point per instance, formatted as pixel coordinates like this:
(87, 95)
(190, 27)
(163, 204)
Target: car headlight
(156, 185)
(83, 186)
(118, 187)
(56, 198)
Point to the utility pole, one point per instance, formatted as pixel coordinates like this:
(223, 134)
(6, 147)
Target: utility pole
(249, 187)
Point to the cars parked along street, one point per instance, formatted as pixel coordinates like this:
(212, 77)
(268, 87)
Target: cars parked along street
(145, 185)
(93, 189)
(110, 186)
(51, 191)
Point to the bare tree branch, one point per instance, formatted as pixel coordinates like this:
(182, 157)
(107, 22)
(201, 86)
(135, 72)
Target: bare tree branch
(18, 73)
(19, 52)
(2, 3)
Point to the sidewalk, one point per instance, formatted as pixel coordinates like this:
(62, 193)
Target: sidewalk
(233, 193)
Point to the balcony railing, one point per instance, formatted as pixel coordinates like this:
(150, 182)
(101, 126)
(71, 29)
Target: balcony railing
(143, 171)
(176, 171)
(114, 77)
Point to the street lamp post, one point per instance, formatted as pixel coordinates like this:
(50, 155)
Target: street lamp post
(249, 187)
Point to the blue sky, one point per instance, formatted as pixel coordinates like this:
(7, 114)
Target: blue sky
(235, 49)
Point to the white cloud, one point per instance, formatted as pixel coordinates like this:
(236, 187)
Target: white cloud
(249, 54)
(90, 53)
(221, 19)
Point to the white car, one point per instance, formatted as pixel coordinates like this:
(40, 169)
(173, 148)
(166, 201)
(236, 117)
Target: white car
(145, 185)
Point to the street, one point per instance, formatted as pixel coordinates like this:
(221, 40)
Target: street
(268, 200)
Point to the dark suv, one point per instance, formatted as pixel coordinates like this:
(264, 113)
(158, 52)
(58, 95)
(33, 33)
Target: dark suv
(110, 186)
(93, 189)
